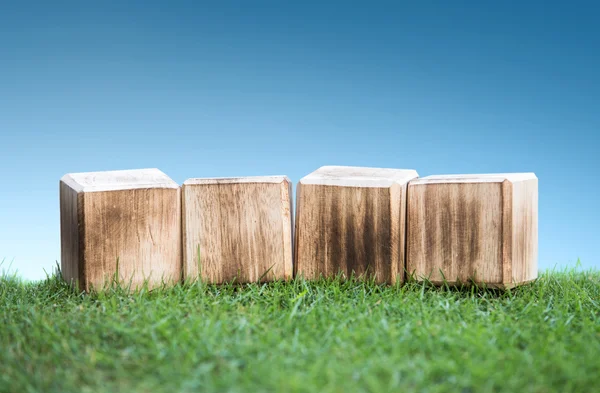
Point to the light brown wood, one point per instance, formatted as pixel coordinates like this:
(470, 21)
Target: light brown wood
(351, 220)
(237, 229)
(473, 228)
(120, 222)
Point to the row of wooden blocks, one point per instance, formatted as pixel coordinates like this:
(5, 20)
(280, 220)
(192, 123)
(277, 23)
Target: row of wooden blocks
(388, 224)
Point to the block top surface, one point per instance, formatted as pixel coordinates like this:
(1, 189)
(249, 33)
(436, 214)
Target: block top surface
(118, 180)
(236, 180)
(475, 178)
(359, 176)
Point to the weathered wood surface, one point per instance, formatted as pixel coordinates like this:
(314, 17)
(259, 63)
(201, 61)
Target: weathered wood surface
(127, 218)
(237, 229)
(473, 228)
(351, 220)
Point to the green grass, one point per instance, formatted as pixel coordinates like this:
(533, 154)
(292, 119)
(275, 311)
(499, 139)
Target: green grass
(327, 336)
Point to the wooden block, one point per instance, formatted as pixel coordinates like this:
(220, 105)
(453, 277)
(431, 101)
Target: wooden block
(478, 228)
(352, 220)
(133, 217)
(237, 229)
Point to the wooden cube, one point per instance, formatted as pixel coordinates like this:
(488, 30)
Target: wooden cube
(473, 228)
(125, 221)
(237, 229)
(351, 220)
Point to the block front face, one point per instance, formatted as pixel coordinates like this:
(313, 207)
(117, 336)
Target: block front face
(237, 229)
(139, 228)
(455, 231)
(348, 230)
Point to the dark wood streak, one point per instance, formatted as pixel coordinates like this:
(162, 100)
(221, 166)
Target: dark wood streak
(322, 256)
(334, 242)
(383, 265)
(426, 198)
(296, 228)
(403, 268)
(371, 246)
(446, 224)
(459, 228)
(350, 232)
(472, 246)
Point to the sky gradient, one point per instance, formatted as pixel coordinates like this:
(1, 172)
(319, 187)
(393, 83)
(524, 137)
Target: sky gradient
(227, 89)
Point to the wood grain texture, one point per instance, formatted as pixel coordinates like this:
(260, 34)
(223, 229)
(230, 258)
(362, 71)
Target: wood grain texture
(237, 229)
(524, 232)
(351, 220)
(70, 201)
(473, 228)
(135, 232)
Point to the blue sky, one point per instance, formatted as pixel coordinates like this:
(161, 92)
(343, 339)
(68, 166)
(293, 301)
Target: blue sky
(231, 89)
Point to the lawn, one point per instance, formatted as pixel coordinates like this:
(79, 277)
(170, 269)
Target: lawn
(327, 336)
